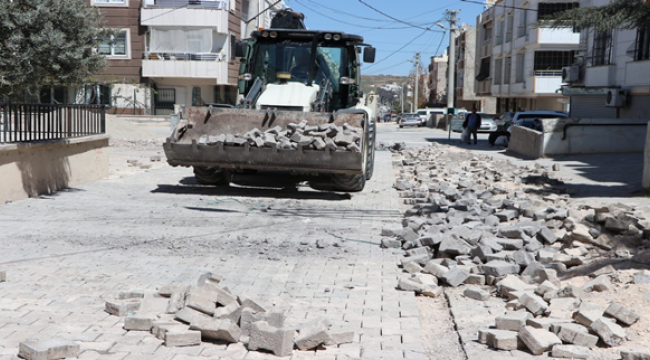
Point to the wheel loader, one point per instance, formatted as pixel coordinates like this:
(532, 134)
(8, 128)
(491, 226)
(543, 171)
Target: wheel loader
(300, 110)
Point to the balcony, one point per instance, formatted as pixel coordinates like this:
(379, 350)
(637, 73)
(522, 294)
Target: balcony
(547, 82)
(177, 65)
(603, 76)
(547, 35)
(175, 4)
(483, 87)
(203, 14)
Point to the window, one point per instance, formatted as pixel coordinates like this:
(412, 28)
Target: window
(519, 68)
(116, 47)
(510, 25)
(507, 70)
(484, 70)
(642, 48)
(95, 94)
(545, 10)
(550, 63)
(523, 24)
(114, 3)
(487, 38)
(500, 31)
(602, 48)
(498, 70)
(196, 96)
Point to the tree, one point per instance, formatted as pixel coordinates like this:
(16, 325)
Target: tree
(624, 14)
(48, 42)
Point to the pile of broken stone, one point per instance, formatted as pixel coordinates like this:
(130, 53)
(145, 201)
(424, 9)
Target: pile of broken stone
(476, 222)
(210, 312)
(309, 137)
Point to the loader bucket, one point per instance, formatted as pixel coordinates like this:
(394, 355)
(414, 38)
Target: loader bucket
(188, 146)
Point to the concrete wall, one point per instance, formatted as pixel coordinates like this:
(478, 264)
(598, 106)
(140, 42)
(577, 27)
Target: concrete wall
(33, 169)
(593, 139)
(646, 162)
(527, 142)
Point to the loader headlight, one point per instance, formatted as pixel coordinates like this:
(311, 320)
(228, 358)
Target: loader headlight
(265, 34)
(344, 80)
(274, 34)
(328, 37)
(247, 77)
(336, 37)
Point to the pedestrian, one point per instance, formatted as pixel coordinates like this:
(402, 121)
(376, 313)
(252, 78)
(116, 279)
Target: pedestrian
(471, 124)
(537, 125)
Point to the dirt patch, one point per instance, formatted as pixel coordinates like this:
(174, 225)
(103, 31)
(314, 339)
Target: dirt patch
(437, 330)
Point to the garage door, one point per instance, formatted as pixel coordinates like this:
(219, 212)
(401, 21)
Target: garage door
(591, 107)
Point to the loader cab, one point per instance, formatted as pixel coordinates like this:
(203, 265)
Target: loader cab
(317, 60)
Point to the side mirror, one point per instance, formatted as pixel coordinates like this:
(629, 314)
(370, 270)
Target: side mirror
(369, 55)
(240, 49)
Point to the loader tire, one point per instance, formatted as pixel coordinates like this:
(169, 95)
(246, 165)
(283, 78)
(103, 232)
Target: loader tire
(212, 175)
(349, 183)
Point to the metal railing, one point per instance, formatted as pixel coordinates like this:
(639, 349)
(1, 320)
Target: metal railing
(206, 4)
(154, 55)
(547, 72)
(37, 122)
(521, 31)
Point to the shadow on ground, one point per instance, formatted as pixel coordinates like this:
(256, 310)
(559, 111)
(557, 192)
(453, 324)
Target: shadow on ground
(261, 185)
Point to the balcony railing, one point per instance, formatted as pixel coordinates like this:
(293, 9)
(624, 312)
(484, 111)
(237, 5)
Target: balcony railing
(185, 56)
(508, 36)
(521, 31)
(499, 40)
(174, 4)
(547, 73)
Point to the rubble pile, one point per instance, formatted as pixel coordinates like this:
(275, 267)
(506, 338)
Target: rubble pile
(509, 230)
(324, 136)
(208, 311)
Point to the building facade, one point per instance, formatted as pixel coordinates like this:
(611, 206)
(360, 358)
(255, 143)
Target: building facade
(616, 62)
(520, 63)
(466, 96)
(438, 79)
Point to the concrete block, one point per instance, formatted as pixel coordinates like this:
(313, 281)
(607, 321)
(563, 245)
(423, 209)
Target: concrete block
(206, 292)
(217, 329)
(533, 303)
(635, 355)
(513, 320)
(249, 316)
(176, 302)
(545, 287)
(537, 340)
(500, 268)
(224, 297)
(412, 268)
(615, 225)
(231, 312)
(201, 303)
(506, 215)
(622, 314)
(168, 290)
(456, 276)
(343, 337)
(417, 251)
(588, 313)
(600, 284)
(476, 293)
(210, 278)
(511, 232)
(510, 244)
(570, 352)
(436, 269)
(503, 340)
(541, 323)
(159, 328)
(407, 284)
(547, 235)
(431, 291)
(138, 323)
(562, 308)
(512, 283)
(182, 338)
(189, 315)
(251, 303)
(454, 246)
(572, 291)
(577, 334)
(313, 333)
(266, 337)
(388, 243)
(609, 332)
(48, 350)
(122, 308)
(475, 279)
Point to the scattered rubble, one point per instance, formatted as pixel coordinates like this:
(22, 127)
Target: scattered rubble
(324, 137)
(479, 222)
(210, 312)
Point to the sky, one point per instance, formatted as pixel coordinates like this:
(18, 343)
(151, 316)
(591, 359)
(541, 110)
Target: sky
(397, 29)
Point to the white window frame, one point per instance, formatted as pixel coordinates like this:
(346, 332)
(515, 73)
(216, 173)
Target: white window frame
(100, 3)
(127, 56)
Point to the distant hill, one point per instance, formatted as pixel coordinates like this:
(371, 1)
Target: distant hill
(368, 83)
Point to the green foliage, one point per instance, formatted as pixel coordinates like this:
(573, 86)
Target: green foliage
(623, 14)
(48, 42)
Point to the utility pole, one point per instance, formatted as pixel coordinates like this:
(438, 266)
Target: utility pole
(417, 78)
(451, 77)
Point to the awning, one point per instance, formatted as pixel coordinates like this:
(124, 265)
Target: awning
(484, 71)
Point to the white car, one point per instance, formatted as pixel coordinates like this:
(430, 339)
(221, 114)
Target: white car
(411, 119)
(425, 113)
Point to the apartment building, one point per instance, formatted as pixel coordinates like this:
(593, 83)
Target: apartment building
(438, 79)
(520, 63)
(611, 75)
(466, 68)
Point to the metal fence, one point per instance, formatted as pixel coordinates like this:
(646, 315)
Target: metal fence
(37, 122)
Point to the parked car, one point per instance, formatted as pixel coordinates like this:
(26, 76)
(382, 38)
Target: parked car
(426, 113)
(394, 117)
(523, 118)
(411, 119)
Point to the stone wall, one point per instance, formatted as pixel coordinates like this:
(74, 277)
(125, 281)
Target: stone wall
(33, 169)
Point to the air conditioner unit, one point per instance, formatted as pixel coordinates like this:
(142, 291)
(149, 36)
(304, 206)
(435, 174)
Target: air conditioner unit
(571, 74)
(616, 97)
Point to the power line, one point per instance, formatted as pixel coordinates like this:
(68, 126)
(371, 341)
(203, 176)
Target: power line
(496, 5)
(396, 19)
(348, 14)
(395, 52)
